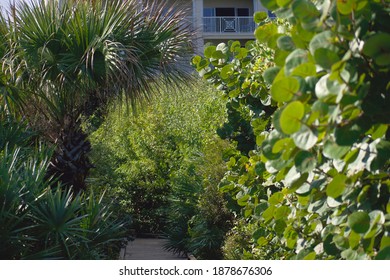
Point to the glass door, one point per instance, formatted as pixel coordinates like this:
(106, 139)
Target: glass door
(209, 20)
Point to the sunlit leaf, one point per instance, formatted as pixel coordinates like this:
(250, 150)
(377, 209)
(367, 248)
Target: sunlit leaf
(284, 89)
(337, 186)
(291, 116)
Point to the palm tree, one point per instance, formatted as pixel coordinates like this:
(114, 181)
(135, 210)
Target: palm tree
(71, 61)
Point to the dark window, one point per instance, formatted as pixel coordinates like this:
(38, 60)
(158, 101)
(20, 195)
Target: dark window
(225, 12)
(243, 12)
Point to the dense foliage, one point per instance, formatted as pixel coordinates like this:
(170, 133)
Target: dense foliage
(61, 62)
(162, 164)
(39, 221)
(317, 184)
(69, 61)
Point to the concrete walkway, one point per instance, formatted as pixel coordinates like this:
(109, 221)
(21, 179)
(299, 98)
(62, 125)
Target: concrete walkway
(148, 249)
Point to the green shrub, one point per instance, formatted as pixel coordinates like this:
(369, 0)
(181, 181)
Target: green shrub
(162, 165)
(317, 184)
(239, 243)
(140, 151)
(198, 217)
(40, 220)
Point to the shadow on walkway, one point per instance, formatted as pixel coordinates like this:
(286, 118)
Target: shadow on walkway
(148, 249)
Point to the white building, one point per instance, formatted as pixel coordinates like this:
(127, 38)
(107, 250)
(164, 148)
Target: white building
(222, 20)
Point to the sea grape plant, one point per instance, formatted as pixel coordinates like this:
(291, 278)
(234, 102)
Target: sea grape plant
(318, 182)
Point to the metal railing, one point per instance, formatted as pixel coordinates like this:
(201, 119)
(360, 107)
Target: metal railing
(228, 24)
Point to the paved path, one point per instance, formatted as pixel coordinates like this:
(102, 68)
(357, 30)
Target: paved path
(148, 249)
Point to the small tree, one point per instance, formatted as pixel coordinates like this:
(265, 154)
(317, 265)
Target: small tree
(69, 62)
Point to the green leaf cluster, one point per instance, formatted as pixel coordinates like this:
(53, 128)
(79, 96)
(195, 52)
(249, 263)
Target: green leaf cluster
(317, 183)
(162, 166)
(41, 220)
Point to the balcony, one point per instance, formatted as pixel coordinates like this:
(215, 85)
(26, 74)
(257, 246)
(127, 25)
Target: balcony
(229, 25)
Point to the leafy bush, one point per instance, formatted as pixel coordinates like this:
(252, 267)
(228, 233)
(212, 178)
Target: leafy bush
(198, 217)
(40, 220)
(317, 184)
(163, 161)
(69, 60)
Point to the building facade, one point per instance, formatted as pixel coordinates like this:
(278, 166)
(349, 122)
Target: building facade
(221, 20)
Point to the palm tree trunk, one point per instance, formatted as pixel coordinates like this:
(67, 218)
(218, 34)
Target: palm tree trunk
(70, 162)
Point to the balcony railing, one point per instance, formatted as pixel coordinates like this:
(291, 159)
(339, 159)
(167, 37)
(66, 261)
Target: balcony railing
(228, 24)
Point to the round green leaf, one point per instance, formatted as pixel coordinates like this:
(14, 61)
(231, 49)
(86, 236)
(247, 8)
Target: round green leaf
(349, 254)
(260, 16)
(270, 74)
(291, 116)
(334, 151)
(345, 7)
(267, 147)
(218, 54)
(260, 208)
(282, 212)
(341, 242)
(323, 40)
(305, 11)
(203, 63)
(305, 161)
(295, 59)
(242, 53)
(354, 240)
(310, 256)
(291, 237)
(304, 70)
(270, 4)
(284, 89)
(276, 198)
(268, 214)
(359, 222)
(226, 71)
(242, 199)
(262, 241)
(196, 59)
(264, 32)
(283, 3)
(208, 51)
(259, 233)
(280, 57)
(281, 145)
(235, 46)
(279, 226)
(337, 186)
(286, 43)
(321, 107)
(305, 138)
(378, 47)
(326, 58)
